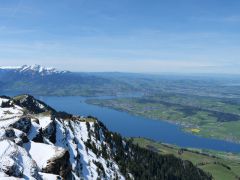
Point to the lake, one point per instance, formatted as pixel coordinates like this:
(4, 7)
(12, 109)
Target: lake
(134, 126)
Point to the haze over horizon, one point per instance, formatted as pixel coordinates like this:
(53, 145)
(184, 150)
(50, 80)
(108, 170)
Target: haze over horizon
(125, 36)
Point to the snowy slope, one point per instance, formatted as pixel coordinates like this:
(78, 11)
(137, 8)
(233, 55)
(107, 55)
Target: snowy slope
(46, 146)
(16, 161)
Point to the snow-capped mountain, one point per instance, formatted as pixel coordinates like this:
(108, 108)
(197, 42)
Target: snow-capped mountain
(39, 80)
(33, 70)
(37, 142)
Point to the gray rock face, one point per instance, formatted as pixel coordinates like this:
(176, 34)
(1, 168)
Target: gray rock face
(59, 165)
(10, 134)
(31, 104)
(38, 137)
(23, 124)
(7, 133)
(50, 131)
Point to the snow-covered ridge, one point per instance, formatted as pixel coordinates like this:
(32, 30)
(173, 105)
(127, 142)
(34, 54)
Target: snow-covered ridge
(39, 143)
(33, 69)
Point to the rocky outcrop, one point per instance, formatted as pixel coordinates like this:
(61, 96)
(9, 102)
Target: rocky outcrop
(39, 136)
(10, 134)
(15, 161)
(49, 132)
(7, 133)
(31, 104)
(59, 165)
(6, 104)
(10, 166)
(23, 124)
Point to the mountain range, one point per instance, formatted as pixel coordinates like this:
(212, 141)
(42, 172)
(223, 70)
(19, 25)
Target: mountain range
(32, 70)
(38, 142)
(39, 80)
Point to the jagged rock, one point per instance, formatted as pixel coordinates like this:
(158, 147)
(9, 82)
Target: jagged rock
(39, 136)
(22, 139)
(7, 104)
(23, 124)
(49, 132)
(31, 104)
(10, 134)
(7, 133)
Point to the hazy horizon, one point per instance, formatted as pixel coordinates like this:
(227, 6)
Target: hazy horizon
(182, 74)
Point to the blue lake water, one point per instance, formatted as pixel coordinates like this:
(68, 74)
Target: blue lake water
(134, 126)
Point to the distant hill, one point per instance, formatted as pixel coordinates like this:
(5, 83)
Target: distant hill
(38, 80)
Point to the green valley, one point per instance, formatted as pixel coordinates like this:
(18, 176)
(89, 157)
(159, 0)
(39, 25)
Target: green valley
(221, 165)
(206, 116)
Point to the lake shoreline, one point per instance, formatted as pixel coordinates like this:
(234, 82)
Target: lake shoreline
(185, 128)
(133, 126)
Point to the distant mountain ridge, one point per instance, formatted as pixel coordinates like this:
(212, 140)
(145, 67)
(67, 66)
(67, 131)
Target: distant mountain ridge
(39, 80)
(33, 69)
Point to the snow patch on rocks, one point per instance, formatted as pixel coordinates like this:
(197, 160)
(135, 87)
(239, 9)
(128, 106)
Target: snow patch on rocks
(42, 145)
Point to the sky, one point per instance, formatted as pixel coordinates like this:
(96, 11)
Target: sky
(150, 36)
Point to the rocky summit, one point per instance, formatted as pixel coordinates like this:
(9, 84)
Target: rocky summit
(37, 142)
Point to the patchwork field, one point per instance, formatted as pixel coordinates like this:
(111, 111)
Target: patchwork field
(206, 116)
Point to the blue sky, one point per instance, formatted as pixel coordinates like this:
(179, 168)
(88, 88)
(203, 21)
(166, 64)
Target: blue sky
(187, 36)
